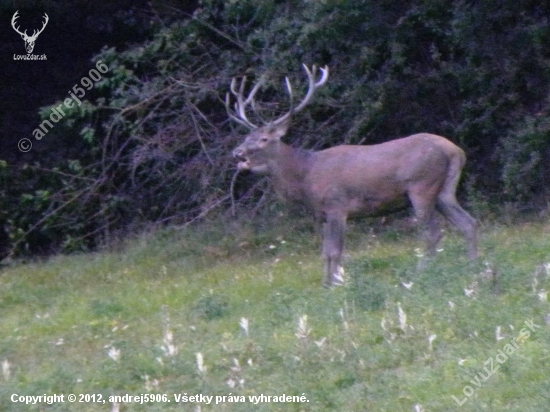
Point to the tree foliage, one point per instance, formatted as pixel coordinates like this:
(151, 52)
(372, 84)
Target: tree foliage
(154, 140)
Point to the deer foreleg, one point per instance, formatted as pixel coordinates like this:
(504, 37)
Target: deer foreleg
(333, 247)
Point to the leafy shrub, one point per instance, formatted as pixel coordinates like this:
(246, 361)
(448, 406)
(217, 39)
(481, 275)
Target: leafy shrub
(525, 154)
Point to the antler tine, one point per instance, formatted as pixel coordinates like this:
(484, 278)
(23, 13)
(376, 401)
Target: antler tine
(13, 19)
(289, 89)
(250, 98)
(324, 75)
(241, 103)
(37, 32)
(313, 85)
(233, 89)
(231, 115)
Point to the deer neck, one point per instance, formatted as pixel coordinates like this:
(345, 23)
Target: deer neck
(288, 168)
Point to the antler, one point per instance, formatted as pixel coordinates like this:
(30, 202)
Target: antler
(15, 17)
(313, 85)
(35, 32)
(241, 103)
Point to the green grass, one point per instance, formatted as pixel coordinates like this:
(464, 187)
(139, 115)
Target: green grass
(189, 290)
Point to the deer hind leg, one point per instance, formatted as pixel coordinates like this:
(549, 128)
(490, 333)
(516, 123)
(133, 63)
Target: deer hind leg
(333, 247)
(465, 223)
(423, 202)
(449, 207)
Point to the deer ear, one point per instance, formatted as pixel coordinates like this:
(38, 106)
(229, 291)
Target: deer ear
(279, 130)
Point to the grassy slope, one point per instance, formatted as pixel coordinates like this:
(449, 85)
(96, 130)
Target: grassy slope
(61, 319)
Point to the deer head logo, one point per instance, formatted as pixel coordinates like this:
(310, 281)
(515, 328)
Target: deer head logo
(29, 40)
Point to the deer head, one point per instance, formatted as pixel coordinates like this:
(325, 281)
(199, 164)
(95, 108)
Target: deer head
(29, 40)
(262, 143)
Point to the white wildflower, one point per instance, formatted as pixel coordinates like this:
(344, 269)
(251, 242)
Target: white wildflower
(535, 283)
(339, 276)
(418, 253)
(431, 338)
(321, 342)
(168, 346)
(150, 384)
(342, 354)
(6, 369)
(402, 317)
(302, 332)
(236, 366)
(344, 321)
(114, 353)
(471, 290)
(244, 325)
(200, 363)
(407, 285)
(498, 334)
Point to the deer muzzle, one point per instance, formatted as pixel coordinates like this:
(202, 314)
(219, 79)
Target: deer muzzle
(238, 152)
(244, 162)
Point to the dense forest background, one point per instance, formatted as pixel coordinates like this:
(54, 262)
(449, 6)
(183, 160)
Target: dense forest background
(151, 141)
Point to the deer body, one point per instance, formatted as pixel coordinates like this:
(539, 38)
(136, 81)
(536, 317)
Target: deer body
(345, 181)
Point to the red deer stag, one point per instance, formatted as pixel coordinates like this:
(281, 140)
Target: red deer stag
(346, 181)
